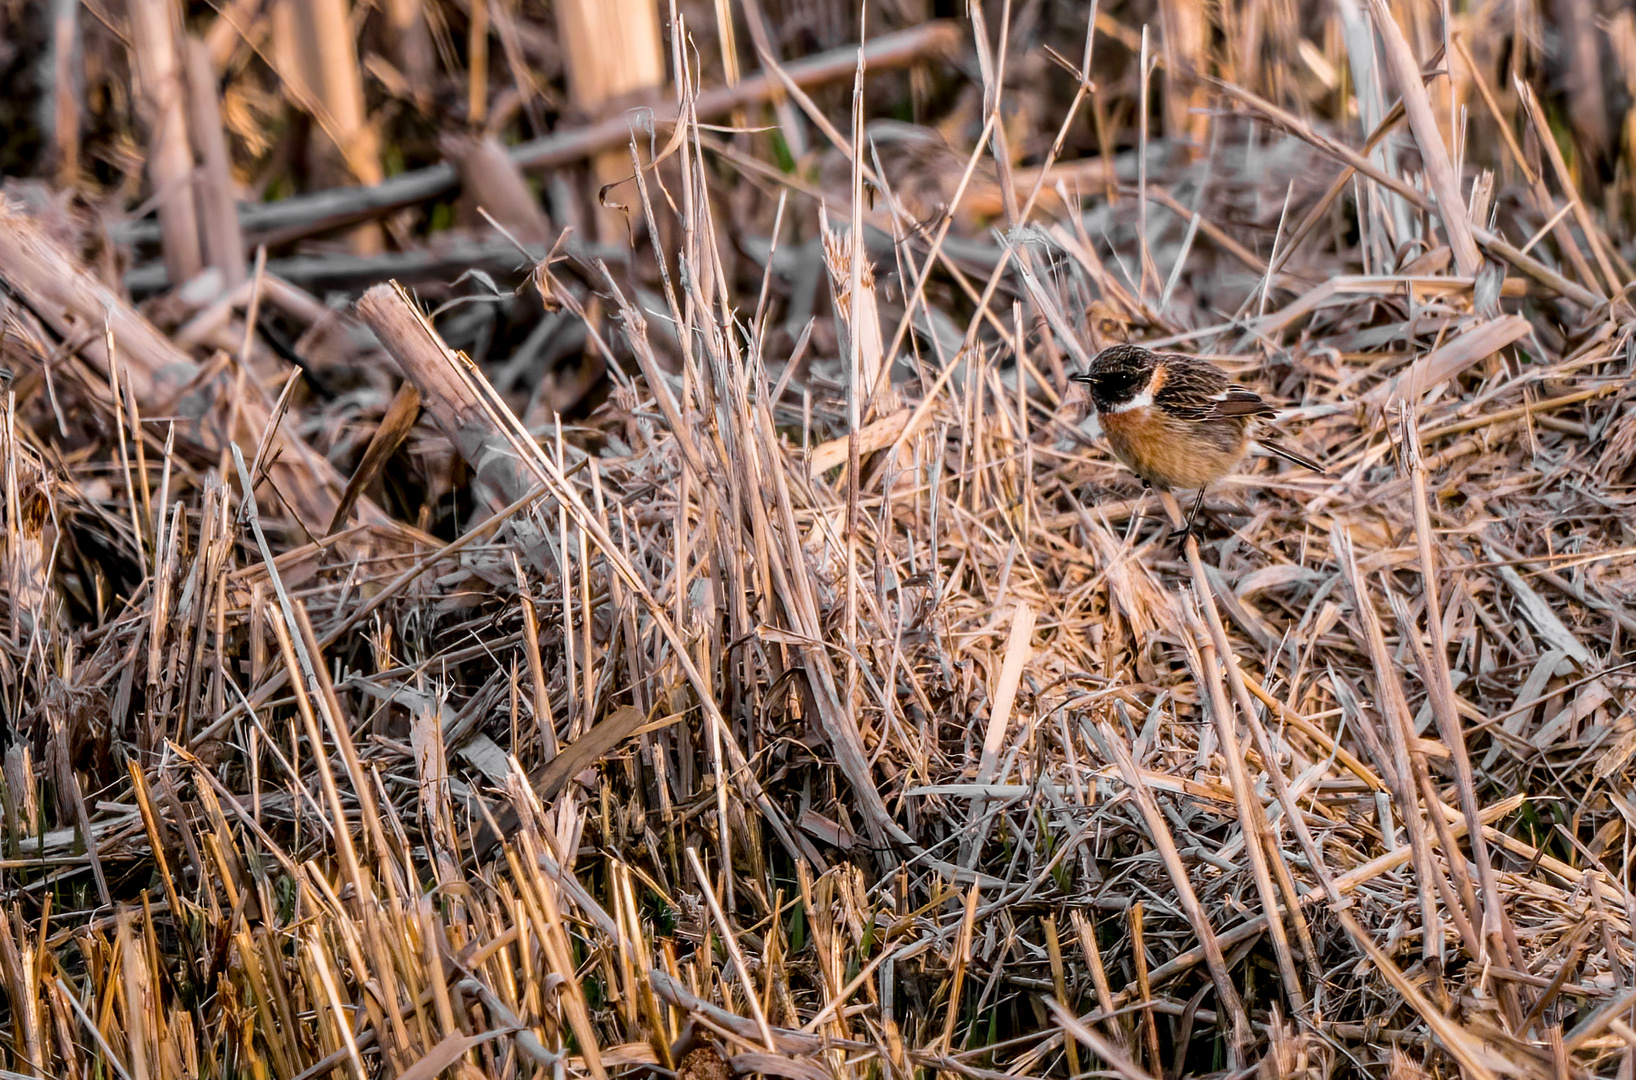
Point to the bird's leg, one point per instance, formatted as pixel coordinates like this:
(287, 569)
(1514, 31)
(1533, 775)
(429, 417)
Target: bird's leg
(1193, 514)
(1192, 518)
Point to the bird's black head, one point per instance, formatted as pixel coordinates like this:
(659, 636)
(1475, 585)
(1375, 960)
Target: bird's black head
(1117, 375)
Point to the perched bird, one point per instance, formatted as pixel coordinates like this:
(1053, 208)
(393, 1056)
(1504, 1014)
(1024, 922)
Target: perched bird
(1176, 421)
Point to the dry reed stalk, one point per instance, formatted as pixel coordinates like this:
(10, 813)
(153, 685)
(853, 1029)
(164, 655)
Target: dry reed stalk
(1107, 1051)
(789, 121)
(1438, 680)
(615, 57)
(318, 61)
(411, 44)
(477, 65)
(1160, 833)
(688, 597)
(505, 463)
(1017, 651)
(223, 241)
(1403, 767)
(1144, 985)
(1449, 360)
(1495, 243)
(68, 299)
(492, 181)
(64, 89)
(1559, 167)
(1255, 834)
(156, 45)
(1184, 39)
(1147, 278)
(486, 429)
(299, 216)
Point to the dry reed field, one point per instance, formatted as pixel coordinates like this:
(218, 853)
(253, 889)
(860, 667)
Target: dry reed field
(559, 541)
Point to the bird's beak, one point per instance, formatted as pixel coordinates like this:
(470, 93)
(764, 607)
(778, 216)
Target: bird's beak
(1080, 377)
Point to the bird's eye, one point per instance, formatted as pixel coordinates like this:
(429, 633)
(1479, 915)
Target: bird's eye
(1116, 382)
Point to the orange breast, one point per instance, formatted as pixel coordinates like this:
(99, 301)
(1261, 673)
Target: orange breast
(1174, 453)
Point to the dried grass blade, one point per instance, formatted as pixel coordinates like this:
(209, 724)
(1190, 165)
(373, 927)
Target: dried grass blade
(1423, 122)
(394, 427)
(1107, 1051)
(1018, 649)
(1449, 360)
(1493, 241)
(1497, 924)
(1475, 1058)
(1159, 835)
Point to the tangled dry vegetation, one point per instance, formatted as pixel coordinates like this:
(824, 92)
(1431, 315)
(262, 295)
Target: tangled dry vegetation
(735, 658)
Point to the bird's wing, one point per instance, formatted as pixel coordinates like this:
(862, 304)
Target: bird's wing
(1239, 400)
(1199, 392)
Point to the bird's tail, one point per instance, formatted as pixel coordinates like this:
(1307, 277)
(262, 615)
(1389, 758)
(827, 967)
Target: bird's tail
(1273, 447)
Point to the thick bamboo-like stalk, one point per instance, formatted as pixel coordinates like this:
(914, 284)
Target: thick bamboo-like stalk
(218, 211)
(61, 107)
(411, 43)
(238, 22)
(1185, 40)
(614, 54)
(477, 64)
(303, 215)
(492, 180)
(318, 60)
(155, 34)
(500, 459)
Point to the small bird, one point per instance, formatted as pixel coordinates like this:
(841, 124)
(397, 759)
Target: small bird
(1176, 421)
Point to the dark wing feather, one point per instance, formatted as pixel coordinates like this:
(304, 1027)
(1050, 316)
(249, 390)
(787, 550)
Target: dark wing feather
(1242, 401)
(1198, 391)
(1287, 454)
(1192, 388)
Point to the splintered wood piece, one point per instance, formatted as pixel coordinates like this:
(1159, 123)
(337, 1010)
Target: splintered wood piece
(394, 427)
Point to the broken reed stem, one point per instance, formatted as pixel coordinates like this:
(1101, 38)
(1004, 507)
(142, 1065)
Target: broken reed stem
(1398, 763)
(962, 957)
(614, 55)
(299, 216)
(1059, 981)
(737, 954)
(1239, 683)
(1086, 933)
(1429, 137)
(742, 540)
